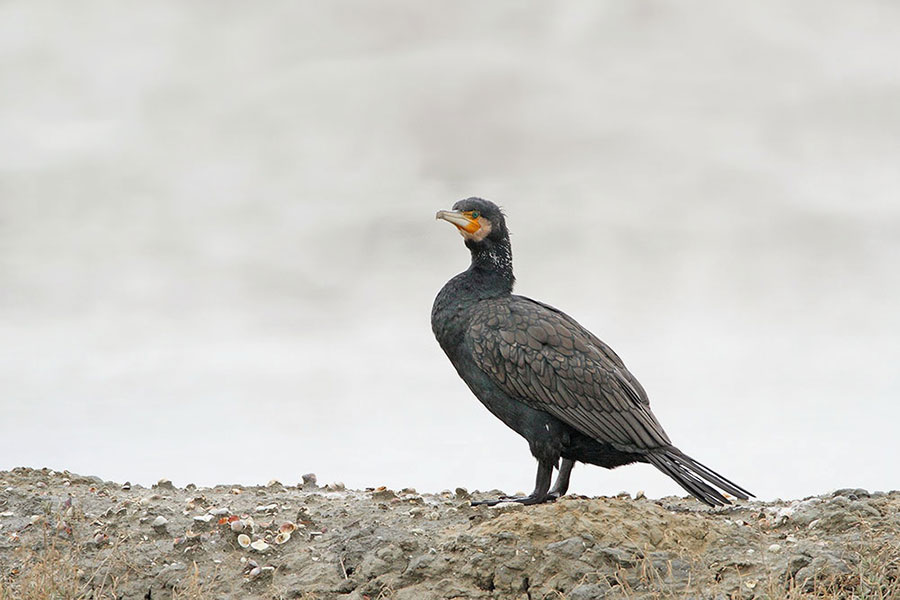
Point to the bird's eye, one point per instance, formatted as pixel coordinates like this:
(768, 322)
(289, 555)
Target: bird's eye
(475, 214)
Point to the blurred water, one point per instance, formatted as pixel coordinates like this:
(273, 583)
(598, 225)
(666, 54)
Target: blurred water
(218, 253)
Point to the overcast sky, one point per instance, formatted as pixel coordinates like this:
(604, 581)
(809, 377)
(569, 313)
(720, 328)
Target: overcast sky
(218, 250)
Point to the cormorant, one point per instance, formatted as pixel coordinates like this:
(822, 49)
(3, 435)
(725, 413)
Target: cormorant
(547, 377)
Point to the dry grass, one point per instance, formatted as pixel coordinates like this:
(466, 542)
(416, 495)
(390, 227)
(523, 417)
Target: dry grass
(193, 588)
(876, 577)
(54, 572)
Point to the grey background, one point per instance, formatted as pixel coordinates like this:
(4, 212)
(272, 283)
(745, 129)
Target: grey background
(218, 252)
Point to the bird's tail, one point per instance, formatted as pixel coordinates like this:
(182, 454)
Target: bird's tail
(690, 475)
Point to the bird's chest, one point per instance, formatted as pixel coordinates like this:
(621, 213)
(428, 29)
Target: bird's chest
(451, 315)
(449, 322)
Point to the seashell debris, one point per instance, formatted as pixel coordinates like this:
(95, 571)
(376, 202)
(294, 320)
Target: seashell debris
(260, 545)
(244, 540)
(282, 537)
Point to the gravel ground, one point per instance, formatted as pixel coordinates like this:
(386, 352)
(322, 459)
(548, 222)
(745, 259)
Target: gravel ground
(98, 539)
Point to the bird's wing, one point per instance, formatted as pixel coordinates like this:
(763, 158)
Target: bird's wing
(545, 359)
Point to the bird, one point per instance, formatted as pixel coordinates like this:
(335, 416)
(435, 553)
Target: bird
(546, 376)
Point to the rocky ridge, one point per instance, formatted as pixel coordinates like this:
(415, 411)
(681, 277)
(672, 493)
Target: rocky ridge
(100, 539)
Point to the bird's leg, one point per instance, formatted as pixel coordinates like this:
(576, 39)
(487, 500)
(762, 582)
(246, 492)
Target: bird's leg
(539, 495)
(562, 479)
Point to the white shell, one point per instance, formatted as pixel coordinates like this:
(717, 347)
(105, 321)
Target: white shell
(244, 540)
(260, 545)
(282, 537)
(237, 526)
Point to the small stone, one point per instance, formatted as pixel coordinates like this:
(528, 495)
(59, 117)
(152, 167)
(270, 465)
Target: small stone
(588, 591)
(274, 483)
(462, 493)
(775, 548)
(219, 512)
(640, 495)
(309, 480)
(159, 523)
(821, 568)
(383, 495)
(164, 484)
(570, 548)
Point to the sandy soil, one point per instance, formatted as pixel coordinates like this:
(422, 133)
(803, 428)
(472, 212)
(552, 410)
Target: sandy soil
(66, 535)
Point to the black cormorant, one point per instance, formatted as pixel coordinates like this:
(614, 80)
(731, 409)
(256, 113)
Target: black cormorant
(547, 377)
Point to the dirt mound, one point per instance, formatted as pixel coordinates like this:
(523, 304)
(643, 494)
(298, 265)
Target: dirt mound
(64, 535)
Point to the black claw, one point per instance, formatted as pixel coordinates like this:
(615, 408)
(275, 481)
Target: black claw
(526, 500)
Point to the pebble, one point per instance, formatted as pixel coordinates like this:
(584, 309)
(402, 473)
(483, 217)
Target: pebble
(775, 548)
(383, 495)
(159, 522)
(309, 480)
(164, 484)
(219, 512)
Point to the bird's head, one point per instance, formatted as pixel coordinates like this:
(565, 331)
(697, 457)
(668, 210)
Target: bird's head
(480, 221)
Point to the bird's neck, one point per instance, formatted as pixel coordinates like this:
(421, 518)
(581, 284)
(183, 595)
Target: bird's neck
(492, 266)
(489, 276)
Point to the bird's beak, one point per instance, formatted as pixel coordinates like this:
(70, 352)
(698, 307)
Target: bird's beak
(461, 220)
